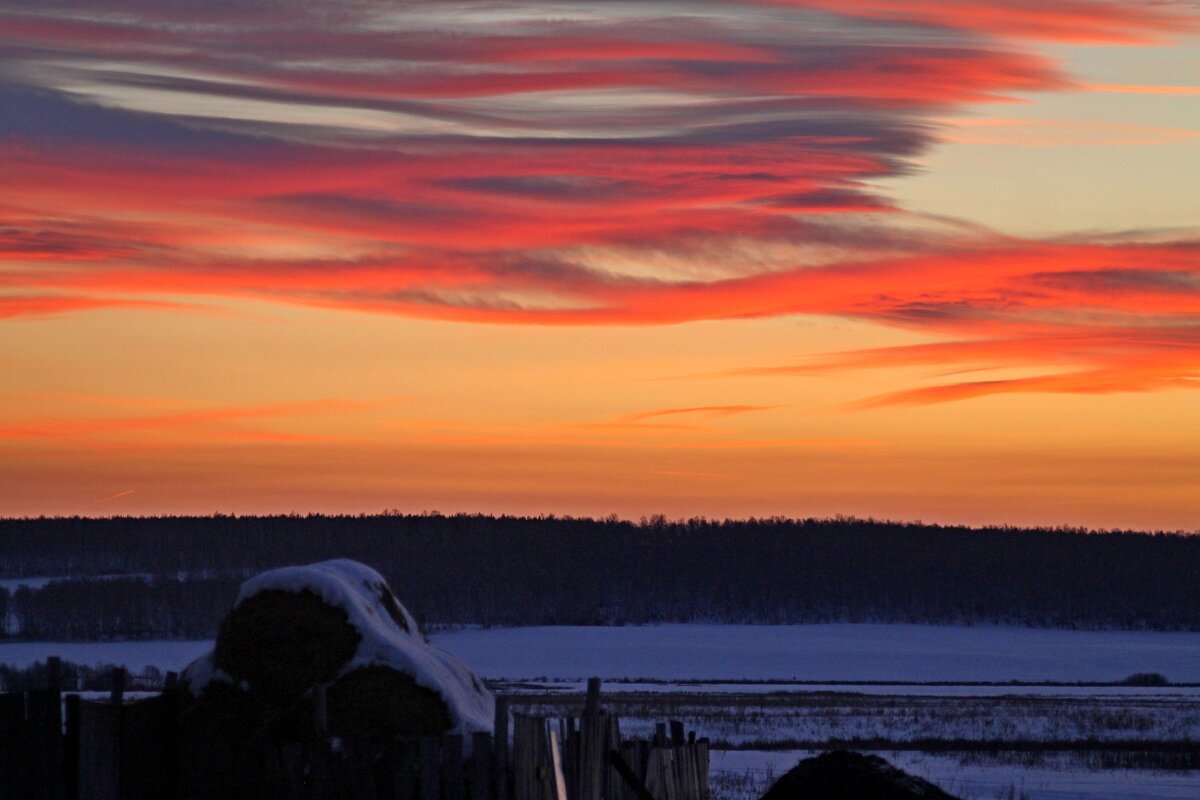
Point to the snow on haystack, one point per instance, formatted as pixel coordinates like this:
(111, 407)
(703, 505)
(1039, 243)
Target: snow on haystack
(390, 638)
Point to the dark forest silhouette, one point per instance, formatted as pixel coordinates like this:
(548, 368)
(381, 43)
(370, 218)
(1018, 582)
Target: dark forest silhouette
(552, 570)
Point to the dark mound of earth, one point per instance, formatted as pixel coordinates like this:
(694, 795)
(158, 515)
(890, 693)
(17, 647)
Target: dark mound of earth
(843, 775)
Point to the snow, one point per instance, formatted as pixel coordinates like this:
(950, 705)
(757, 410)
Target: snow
(387, 641)
(42, 581)
(767, 653)
(787, 720)
(987, 781)
(35, 582)
(825, 653)
(882, 689)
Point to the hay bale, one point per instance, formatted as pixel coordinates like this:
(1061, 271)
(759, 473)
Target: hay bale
(380, 702)
(282, 643)
(843, 775)
(333, 627)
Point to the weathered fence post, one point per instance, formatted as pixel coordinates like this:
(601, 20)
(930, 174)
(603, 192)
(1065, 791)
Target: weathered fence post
(71, 749)
(559, 782)
(629, 776)
(99, 751)
(452, 768)
(116, 694)
(501, 750)
(479, 775)
(591, 705)
(430, 778)
(533, 769)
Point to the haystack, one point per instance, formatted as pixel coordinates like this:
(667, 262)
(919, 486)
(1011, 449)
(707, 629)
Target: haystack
(336, 628)
(844, 775)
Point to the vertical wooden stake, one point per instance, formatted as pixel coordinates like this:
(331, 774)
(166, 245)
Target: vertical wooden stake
(117, 691)
(560, 782)
(500, 748)
(591, 706)
(71, 749)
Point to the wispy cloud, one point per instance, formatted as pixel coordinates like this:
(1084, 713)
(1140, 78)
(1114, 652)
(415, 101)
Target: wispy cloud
(484, 162)
(704, 412)
(1175, 91)
(116, 496)
(224, 422)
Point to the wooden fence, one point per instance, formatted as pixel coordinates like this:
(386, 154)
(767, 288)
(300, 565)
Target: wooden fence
(62, 747)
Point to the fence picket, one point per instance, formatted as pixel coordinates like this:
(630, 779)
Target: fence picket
(147, 750)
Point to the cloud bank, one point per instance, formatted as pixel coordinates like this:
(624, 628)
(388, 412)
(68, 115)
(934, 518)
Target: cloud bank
(569, 163)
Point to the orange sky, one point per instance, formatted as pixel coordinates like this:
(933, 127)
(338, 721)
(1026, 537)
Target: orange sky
(913, 260)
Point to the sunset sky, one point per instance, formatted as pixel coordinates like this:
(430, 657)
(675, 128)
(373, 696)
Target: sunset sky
(913, 259)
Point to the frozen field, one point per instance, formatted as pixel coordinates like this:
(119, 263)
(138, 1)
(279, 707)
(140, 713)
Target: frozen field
(825, 652)
(887, 689)
(755, 652)
(640, 663)
(134, 656)
(796, 719)
(744, 775)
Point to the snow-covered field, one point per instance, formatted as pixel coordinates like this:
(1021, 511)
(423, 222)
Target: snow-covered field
(747, 773)
(886, 689)
(798, 719)
(35, 582)
(825, 652)
(834, 652)
(134, 656)
(739, 713)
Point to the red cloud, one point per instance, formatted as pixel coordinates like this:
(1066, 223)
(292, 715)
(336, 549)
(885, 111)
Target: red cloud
(620, 169)
(1081, 21)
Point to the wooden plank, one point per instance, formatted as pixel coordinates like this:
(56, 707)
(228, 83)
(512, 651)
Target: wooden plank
(117, 686)
(452, 768)
(430, 771)
(99, 751)
(524, 760)
(560, 782)
(591, 763)
(147, 764)
(500, 749)
(14, 742)
(406, 779)
(591, 705)
(479, 771)
(612, 787)
(43, 712)
(653, 777)
(70, 750)
(635, 784)
(691, 784)
(677, 737)
(667, 765)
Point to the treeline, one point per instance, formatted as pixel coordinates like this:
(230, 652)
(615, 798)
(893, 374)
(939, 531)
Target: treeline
(475, 569)
(79, 677)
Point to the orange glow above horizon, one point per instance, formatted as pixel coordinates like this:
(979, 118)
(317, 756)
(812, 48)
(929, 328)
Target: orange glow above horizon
(694, 259)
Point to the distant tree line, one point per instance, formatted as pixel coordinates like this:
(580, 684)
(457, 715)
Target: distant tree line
(78, 677)
(182, 573)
